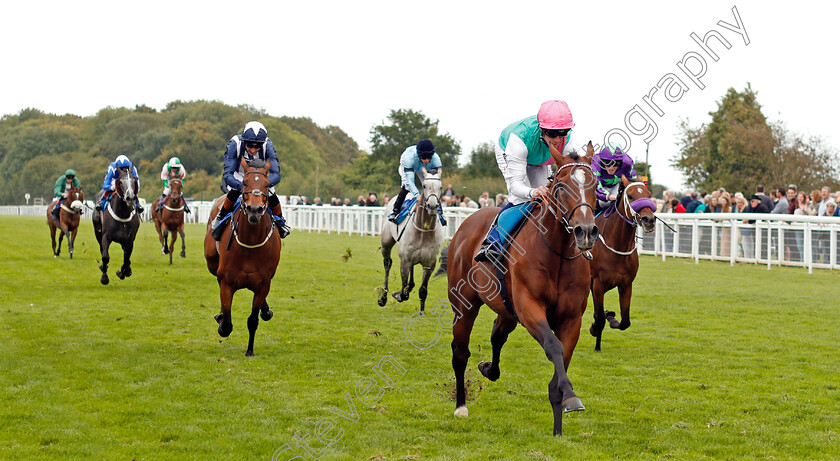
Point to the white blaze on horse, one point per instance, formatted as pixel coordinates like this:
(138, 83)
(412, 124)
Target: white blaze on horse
(419, 236)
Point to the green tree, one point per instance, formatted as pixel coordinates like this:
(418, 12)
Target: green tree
(739, 149)
(405, 127)
(482, 162)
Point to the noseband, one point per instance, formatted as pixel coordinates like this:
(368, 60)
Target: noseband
(632, 208)
(256, 192)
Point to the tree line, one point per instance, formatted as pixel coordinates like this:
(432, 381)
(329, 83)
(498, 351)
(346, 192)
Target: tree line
(738, 149)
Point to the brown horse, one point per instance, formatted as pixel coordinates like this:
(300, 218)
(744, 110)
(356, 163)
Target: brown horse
(615, 261)
(171, 219)
(68, 219)
(546, 278)
(248, 254)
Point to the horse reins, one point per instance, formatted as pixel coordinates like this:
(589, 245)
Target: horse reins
(258, 193)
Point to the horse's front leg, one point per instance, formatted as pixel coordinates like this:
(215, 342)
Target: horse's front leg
(183, 241)
(597, 327)
(106, 258)
(258, 307)
(71, 239)
(560, 393)
(223, 317)
(62, 231)
(405, 272)
(171, 247)
(164, 239)
(125, 270)
(423, 291)
(502, 327)
(625, 293)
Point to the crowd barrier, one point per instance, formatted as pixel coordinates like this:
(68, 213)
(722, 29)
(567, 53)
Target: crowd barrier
(771, 240)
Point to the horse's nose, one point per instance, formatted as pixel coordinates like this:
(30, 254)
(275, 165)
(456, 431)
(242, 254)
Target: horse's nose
(648, 223)
(586, 235)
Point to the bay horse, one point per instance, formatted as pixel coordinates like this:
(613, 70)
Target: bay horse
(544, 274)
(249, 251)
(615, 261)
(68, 219)
(171, 219)
(419, 235)
(118, 222)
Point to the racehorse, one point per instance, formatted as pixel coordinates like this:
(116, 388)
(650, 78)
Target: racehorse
(118, 222)
(547, 292)
(249, 251)
(615, 261)
(171, 219)
(419, 237)
(68, 219)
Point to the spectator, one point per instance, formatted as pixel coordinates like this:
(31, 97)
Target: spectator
(767, 201)
(791, 197)
(501, 200)
(714, 204)
(686, 199)
(449, 191)
(831, 209)
(692, 203)
(757, 205)
(317, 202)
(385, 199)
(676, 206)
(361, 200)
(485, 201)
(740, 202)
(725, 205)
(304, 200)
(347, 202)
(782, 204)
(469, 203)
(825, 193)
(372, 200)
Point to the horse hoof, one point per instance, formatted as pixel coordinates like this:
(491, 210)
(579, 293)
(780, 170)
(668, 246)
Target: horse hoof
(382, 300)
(572, 404)
(121, 275)
(104, 280)
(218, 317)
(609, 314)
(249, 353)
(592, 330)
(266, 315)
(163, 251)
(462, 412)
(485, 368)
(183, 254)
(55, 255)
(224, 332)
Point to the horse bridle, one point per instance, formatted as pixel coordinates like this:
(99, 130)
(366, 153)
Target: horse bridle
(565, 218)
(256, 192)
(628, 205)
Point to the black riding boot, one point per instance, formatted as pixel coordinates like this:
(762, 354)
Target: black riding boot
(56, 211)
(398, 201)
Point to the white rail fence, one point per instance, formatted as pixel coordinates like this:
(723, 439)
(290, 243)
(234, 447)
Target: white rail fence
(772, 240)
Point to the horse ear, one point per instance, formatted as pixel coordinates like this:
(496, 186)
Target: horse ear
(267, 166)
(590, 149)
(557, 156)
(243, 164)
(625, 181)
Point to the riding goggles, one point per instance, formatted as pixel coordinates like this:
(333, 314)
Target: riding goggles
(555, 133)
(253, 145)
(608, 162)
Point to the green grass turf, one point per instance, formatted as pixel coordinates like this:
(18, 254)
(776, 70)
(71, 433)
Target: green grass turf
(720, 363)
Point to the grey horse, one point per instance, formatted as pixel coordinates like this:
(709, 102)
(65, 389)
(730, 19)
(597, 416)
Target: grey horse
(419, 235)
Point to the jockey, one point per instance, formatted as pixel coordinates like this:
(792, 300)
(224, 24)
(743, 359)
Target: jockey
(609, 165)
(62, 185)
(108, 185)
(252, 144)
(412, 161)
(171, 170)
(524, 157)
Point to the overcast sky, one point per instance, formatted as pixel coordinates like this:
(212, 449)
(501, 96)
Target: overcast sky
(473, 66)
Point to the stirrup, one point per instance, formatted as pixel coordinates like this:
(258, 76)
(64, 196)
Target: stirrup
(140, 208)
(489, 252)
(393, 218)
(282, 228)
(217, 227)
(186, 208)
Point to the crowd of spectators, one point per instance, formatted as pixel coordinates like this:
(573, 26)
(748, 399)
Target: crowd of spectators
(781, 200)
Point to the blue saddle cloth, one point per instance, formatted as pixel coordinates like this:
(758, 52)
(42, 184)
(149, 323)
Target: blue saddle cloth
(406, 209)
(236, 206)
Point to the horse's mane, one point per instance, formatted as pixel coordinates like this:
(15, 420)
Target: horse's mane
(574, 155)
(256, 163)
